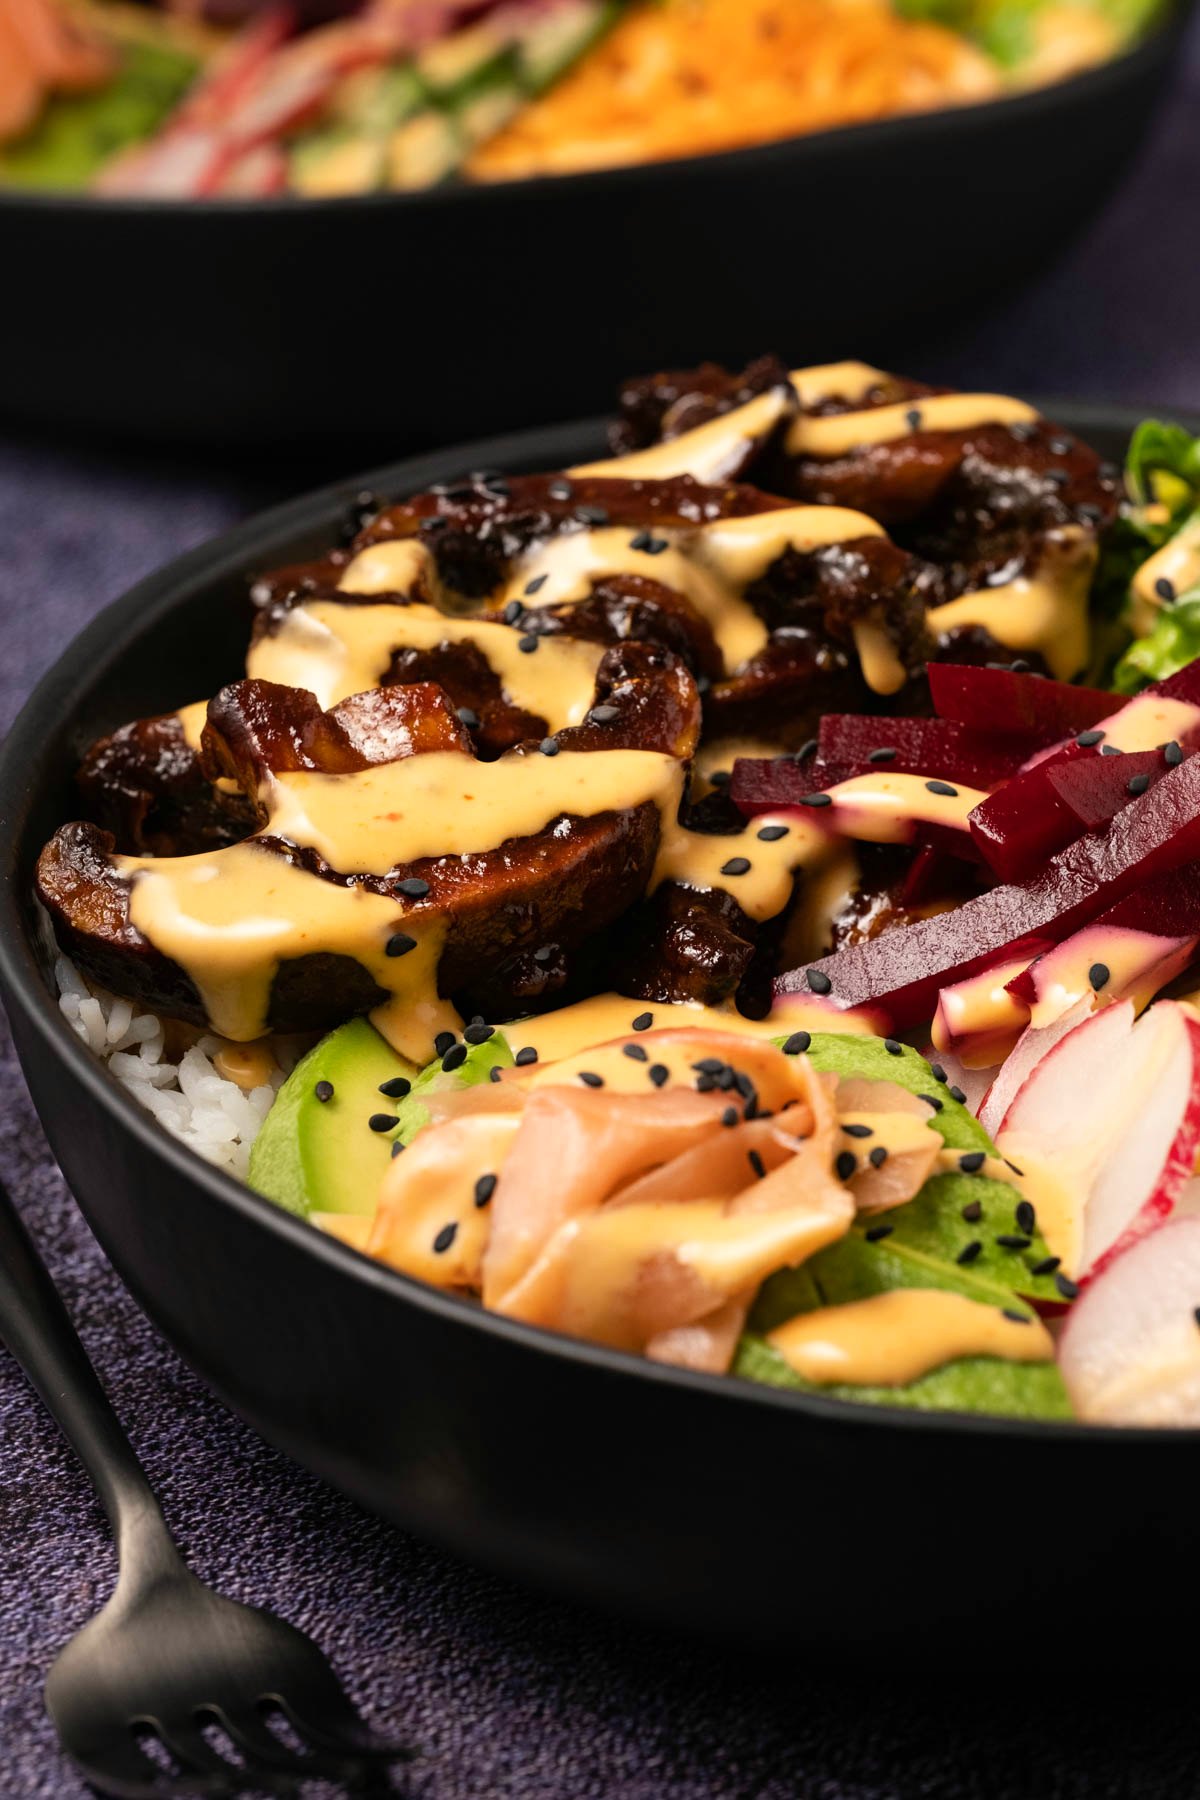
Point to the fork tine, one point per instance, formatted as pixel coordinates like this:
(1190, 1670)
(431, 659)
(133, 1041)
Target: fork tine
(136, 1778)
(340, 1729)
(261, 1746)
(189, 1745)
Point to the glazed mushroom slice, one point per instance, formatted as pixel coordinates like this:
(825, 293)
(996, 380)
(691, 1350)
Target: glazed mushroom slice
(717, 574)
(390, 868)
(1005, 505)
(144, 784)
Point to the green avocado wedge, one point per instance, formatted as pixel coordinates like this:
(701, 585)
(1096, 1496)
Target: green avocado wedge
(480, 1060)
(315, 1155)
(922, 1247)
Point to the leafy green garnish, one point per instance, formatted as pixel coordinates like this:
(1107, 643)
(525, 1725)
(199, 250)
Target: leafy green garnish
(974, 1384)
(1008, 29)
(77, 133)
(1173, 642)
(1163, 466)
(481, 1059)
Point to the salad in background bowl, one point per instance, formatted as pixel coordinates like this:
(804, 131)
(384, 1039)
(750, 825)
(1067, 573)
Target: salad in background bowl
(691, 902)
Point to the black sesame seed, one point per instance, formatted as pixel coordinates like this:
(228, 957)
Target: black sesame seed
(727, 1079)
(818, 981)
(604, 714)
(939, 1074)
(528, 643)
(756, 1163)
(412, 887)
(858, 1131)
(912, 418)
(1109, 750)
(878, 1156)
(536, 584)
(468, 718)
(1089, 514)
(771, 834)
(636, 1052)
(972, 1162)
(1087, 739)
(942, 787)
(1164, 587)
(737, 865)
(478, 1034)
(445, 1237)
(1056, 477)
(658, 1073)
(1173, 754)
(972, 1212)
(933, 1100)
(815, 800)
(442, 1042)
(494, 1072)
(730, 1116)
(892, 1047)
(485, 1187)
(454, 1058)
(1018, 1318)
(383, 1121)
(1098, 976)
(797, 1044)
(549, 746)
(845, 1164)
(709, 1065)
(643, 1021)
(956, 1093)
(590, 1079)
(396, 1088)
(969, 1252)
(1013, 1167)
(648, 543)
(706, 1083)
(1137, 784)
(1026, 1217)
(808, 748)
(1011, 1240)
(592, 515)
(878, 1232)
(512, 612)
(884, 754)
(324, 1091)
(397, 1147)
(1047, 1265)
(561, 490)
(721, 778)
(544, 954)
(525, 1056)
(1066, 1287)
(1196, 1314)
(1060, 446)
(743, 1084)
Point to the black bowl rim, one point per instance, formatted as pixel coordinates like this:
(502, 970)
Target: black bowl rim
(753, 160)
(22, 980)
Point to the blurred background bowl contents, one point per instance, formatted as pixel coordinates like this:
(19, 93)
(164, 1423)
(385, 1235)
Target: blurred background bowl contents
(236, 98)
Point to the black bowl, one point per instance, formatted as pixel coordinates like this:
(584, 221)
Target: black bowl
(705, 1502)
(406, 320)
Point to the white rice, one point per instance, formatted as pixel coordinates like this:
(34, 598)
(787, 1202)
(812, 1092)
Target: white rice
(205, 1110)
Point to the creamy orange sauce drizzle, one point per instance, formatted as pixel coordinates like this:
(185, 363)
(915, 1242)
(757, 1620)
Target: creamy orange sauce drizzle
(1053, 1194)
(1045, 612)
(711, 452)
(894, 1338)
(191, 719)
(230, 917)
(1178, 564)
(1149, 720)
(836, 381)
(249, 1065)
(336, 650)
(397, 566)
(711, 565)
(840, 433)
(605, 1017)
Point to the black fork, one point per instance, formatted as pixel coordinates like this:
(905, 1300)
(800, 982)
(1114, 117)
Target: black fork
(171, 1689)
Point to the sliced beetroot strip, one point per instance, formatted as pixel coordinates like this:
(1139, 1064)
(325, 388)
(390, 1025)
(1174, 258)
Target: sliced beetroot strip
(1095, 788)
(1008, 701)
(937, 747)
(903, 969)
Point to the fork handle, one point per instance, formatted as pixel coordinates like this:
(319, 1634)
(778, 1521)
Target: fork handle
(37, 1328)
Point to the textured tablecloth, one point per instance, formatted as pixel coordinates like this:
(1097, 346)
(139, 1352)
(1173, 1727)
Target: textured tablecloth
(509, 1694)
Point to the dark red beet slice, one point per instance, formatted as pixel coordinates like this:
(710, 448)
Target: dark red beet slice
(903, 969)
(1020, 826)
(1094, 788)
(1005, 700)
(1168, 906)
(938, 747)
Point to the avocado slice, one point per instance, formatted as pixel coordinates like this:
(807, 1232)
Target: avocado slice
(315, 1155)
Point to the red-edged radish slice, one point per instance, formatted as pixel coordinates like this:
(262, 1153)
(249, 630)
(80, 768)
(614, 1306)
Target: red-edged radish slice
(1130, 1353)
(1112, 1116)
(1034, 1043)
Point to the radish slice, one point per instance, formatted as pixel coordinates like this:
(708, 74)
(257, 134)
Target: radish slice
(1130, 1353)
(1112, 1116)
(1034, 1042)
(975, 1084)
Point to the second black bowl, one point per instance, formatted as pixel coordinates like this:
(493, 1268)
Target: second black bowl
(401, 320)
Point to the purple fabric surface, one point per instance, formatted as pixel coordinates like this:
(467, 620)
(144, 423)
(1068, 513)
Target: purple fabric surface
(507, 1693)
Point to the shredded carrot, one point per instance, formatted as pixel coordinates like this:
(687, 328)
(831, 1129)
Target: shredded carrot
(679, 77)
